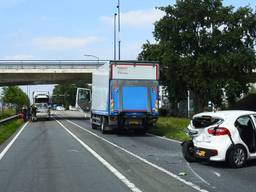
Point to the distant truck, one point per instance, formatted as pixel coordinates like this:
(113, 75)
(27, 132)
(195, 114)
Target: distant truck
(125, 95)
(41, 100)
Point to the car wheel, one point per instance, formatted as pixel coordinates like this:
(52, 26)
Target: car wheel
(237, 157)
(187, 150)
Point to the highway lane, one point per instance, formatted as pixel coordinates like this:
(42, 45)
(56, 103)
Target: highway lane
(45, 158)
(144, 176)
(167, 154)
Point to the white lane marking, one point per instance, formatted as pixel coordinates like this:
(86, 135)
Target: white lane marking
(217, 174)
(119, 175)
(12, 141)
(197, 175)
(190, 184)
(164, 138)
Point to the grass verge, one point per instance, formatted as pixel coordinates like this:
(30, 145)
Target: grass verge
(8, 129)
(6, 113)
(171, 127)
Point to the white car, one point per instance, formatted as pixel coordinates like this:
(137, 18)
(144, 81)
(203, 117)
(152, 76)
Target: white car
(60, 108)
(222, 136)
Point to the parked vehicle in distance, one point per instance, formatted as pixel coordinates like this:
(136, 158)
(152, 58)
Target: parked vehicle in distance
(60, 108)
(222, 136)
(125, 95)
(43, 111)
(41, 100)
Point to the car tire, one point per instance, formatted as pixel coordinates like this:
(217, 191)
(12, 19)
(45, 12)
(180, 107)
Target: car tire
(187, 150)
(237, 157)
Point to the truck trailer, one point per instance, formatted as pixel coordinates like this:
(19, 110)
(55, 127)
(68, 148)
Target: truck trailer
(125, 95)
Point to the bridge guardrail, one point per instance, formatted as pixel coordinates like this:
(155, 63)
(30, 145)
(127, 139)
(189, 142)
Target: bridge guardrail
(50, 64)
(6, 120)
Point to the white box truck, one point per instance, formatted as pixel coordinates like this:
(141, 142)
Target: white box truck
(41, 100)
(125, 95)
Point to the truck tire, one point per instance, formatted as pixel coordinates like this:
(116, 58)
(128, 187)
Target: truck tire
(103, 126)
(187, 150)
(140, 131)
(93, 126)
(237, 157)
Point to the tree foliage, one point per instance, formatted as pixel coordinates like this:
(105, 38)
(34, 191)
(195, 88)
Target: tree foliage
(15, 96)
(204, 46)
(65, 94)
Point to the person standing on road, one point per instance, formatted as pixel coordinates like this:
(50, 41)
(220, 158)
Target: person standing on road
(24, 113)
(33, 111)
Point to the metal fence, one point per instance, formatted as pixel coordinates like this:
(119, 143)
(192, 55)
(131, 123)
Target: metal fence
(8, 119)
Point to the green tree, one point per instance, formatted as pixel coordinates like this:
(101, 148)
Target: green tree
(205, 47)
(15, 96)
(65, 94)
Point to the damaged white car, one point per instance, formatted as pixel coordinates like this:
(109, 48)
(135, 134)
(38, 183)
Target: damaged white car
(222, 136)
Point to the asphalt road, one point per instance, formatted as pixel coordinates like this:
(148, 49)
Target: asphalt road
(65, 154)
(167, 154)
(56, 155)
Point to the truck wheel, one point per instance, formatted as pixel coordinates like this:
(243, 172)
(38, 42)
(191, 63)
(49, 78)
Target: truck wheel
(237, 157)
(140, 131)
(187, 150)
(103, 126)
(93, 126)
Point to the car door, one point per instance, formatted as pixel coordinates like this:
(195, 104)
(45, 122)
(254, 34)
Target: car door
(246, 129)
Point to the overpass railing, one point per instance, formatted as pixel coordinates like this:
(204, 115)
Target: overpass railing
(51, 64)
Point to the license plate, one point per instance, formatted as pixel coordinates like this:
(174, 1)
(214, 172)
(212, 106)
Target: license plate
(134, 122)
(201, 153)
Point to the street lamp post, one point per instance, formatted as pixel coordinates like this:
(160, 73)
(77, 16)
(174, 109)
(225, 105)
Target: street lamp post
(98, 59)
(115, 36)
(119, 29)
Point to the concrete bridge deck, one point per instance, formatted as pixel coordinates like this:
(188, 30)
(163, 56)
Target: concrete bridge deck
(24, 72)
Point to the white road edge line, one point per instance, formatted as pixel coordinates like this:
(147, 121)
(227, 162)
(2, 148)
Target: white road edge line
(119, 175)
(11, 142)
(197, 175)
(164, 138)
(217, 174)
(190, 184)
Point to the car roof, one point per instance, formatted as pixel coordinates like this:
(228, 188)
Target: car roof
(226, 114)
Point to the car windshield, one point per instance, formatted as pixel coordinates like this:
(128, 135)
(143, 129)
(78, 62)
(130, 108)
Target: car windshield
(41, 105)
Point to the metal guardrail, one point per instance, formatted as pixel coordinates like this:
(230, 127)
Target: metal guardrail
(50, 64)
(6, 120)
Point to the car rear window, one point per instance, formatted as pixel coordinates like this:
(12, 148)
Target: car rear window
(205, 121)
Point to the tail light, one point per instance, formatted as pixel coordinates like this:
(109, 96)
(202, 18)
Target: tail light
(218, 131)
(112, 105)
(156, 105)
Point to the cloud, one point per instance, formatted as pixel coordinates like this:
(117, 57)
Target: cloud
(138, 18)
(10, 3)
(19, 57)
(64, 43)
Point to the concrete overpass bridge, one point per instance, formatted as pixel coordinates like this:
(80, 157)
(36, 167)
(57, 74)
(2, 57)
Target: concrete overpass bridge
(34, 72)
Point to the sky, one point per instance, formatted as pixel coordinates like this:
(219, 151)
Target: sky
(65, 29)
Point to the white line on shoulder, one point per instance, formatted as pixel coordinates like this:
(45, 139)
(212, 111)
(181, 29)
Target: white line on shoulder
(197, 175)
(164, 138)
(119, 175)
(11, 142)
(190, 184)
(217, 174)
